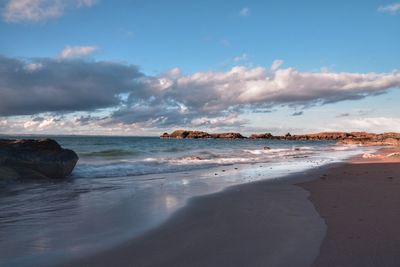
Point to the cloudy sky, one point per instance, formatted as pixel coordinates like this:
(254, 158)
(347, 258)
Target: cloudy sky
(138, 67)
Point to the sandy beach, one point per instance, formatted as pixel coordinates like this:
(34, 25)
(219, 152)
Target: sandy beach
(359, 202)
(275, 224)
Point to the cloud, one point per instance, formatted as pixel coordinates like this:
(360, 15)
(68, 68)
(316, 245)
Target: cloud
(392, 8)
(244, 12)
(343, 115)
(40, 10)
(299, 113)
(369, 124)
(51, 85)
(76, 51)
(360, 112)
(36, 86)
(276, 64)
(242, 57)
(233, 120)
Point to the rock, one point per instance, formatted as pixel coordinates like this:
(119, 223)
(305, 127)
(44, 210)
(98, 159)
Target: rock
(261, 136)
(183, 134)
(393, 155)
(368, 139)
(348, 138)
(36, 159)
(228, 136)
(352, 138)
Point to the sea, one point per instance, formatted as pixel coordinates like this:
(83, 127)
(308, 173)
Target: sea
(123, 187)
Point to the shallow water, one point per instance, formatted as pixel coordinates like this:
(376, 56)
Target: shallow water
(123, 186)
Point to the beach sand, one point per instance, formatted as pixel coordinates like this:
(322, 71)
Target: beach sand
(360, 203)
(276, 224)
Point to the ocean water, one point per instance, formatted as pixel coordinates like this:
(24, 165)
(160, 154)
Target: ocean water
(124, 186)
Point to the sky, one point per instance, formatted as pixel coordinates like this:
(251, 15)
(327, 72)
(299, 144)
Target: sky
(135, 67)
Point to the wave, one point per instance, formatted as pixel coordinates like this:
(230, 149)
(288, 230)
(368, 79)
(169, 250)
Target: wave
(195, 160)
(110, 153)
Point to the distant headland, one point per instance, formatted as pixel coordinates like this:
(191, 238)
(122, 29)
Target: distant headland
(345, 138)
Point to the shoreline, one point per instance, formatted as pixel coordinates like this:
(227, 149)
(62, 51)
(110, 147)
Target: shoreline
(360, 205)
(172, 243)
(102, 218)
(291, 212)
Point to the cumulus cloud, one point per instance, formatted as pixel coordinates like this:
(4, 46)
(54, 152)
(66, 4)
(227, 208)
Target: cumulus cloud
(370, 124)
(50, 85)
(76, 51)
(276, 64)
(392, 8)
(40, 10)
(242, 57)
(299, 113)
(244, 12)
(343, 115)
(172, 98)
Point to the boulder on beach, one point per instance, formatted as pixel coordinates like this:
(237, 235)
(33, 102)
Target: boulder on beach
(38, 159)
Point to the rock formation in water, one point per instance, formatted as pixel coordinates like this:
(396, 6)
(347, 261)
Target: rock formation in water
(183, 134)
(350, 138)
(357, 138)
(37, 159)
(368, 139)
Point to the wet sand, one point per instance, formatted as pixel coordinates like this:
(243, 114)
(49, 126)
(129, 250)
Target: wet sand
(256, 224)
(275, 224)
(360, 203)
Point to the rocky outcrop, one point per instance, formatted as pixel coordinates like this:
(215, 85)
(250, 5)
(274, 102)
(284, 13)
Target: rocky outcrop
(228, 136)
(261, 136)
(35, 159)
(350, 138)
(356, 138)
(301, 137)
(183, 134)
(368, 139)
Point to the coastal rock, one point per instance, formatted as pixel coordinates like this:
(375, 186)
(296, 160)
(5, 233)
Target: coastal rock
(261, 136)
(335, 136)
(228, 136)
(35, 159)
(302, 137)
(370, 139)
(348, 138)
(183, 134)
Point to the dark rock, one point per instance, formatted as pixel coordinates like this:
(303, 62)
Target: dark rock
(356, 138)
(261, 136)
(183, 134)
(35, 159)
(228, 136)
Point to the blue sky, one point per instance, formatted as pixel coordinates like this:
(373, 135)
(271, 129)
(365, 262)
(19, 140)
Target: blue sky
(357, 37)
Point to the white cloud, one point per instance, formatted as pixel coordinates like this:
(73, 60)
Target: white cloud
(232, 120)
(392, 8)
(33, 66)
(244, 12)
(40, 10)
(172, 98)
(276, 64)
(370, 124)
(76, 51)
(242, 57)
(243, 86)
